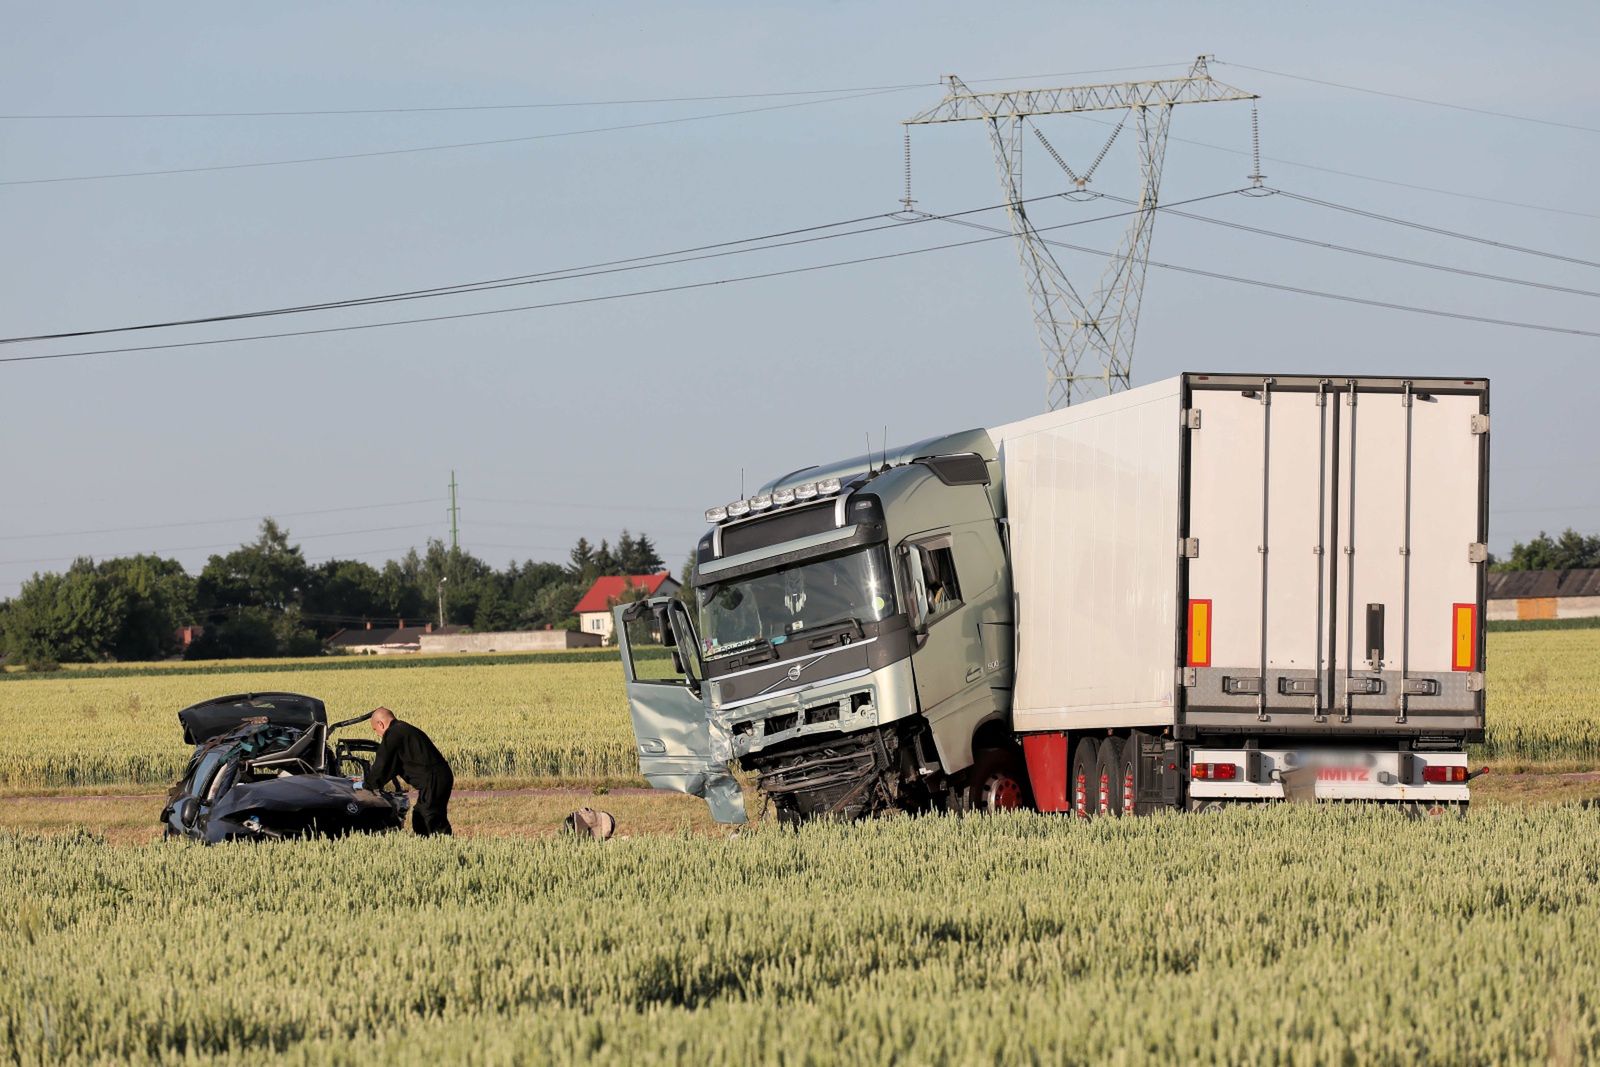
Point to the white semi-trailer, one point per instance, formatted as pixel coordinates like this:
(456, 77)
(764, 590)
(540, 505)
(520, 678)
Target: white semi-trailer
(1217, 588)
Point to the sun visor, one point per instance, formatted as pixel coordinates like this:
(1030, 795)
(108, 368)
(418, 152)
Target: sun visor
(213, 718)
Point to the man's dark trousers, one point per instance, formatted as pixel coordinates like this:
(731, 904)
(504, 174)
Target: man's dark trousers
(431, 815)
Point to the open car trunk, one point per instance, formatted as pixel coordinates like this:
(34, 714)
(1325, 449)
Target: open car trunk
(213, 718)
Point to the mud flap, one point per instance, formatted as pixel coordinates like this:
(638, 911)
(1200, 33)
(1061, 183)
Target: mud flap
(680, 749)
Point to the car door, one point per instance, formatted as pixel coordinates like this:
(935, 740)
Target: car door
(679, 748)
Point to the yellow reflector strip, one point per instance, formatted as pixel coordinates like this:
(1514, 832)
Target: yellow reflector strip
(1464, 638)
(1199, 633)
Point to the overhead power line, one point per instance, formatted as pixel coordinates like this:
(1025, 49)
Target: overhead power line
(212, 522)
(763, 243)
(438, 147)
(1369, 253)
(541, 105)
(808, 235)
(571, 302)
(1414, 186)
(1413, 99)
(1302, 291)
(226, 544)
(1437, 230)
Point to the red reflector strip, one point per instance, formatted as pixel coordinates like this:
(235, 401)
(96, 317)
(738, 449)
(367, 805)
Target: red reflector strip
(1464, 637)
(1199, 633)
(1444, 775)
(1214, 772)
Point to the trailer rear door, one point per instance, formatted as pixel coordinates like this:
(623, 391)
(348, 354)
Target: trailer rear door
(1333, 564)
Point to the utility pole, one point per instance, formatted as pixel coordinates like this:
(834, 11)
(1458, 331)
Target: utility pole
(441, 600)
(1088, 343)
(455, 514)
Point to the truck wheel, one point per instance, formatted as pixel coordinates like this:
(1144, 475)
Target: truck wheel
(997, 782)
(1127, 771)
(1108, 777)
(1085, 794)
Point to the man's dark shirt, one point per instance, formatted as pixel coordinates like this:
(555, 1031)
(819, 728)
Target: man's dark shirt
(406, 750)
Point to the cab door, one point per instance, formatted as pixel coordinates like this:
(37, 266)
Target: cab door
(679, 747)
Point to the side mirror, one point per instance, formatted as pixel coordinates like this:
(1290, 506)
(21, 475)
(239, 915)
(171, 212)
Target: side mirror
(677, 662)
(188, 811)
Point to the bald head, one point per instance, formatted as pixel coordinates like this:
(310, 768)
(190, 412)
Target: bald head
(381, 718)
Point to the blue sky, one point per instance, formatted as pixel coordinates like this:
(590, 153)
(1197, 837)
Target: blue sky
(577, 420)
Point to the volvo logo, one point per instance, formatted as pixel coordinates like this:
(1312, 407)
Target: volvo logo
(353, 808)
(794, 672)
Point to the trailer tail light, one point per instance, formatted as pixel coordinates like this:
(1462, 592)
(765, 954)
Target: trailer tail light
(1444, 775)
(1214, 772)
(1199, 633)
(1464, 637)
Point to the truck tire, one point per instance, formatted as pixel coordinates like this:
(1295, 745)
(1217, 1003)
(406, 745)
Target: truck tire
(1108, 777)
(998, 782)
(1085, 796)
(1128, 775)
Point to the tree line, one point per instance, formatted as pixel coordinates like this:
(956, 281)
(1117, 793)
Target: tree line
(1571, 551)
(264, 599)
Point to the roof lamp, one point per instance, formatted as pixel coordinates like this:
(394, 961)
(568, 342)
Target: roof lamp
(780, 497)
(760, 502)
(828, 485)
(738, 509)
(715, 515)
(805, 491)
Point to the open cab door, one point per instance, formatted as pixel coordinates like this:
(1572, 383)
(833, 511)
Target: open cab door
(679, 748)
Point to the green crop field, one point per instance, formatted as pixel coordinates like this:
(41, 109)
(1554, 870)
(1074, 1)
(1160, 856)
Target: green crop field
(1283, 935)
(533, 717)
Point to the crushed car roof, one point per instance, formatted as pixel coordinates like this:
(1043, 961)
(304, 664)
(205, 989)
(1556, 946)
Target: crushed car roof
(215, 717)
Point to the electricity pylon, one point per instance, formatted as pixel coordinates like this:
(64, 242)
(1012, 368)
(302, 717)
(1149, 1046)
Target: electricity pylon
(1071, 329)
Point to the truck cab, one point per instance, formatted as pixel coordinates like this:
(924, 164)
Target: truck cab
(848, 641)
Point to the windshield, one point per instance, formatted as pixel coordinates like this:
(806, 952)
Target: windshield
(772, 606)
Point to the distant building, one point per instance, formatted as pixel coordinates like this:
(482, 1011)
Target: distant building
(384, 640)
(508, 641)
(1573, 594)
(594, 610)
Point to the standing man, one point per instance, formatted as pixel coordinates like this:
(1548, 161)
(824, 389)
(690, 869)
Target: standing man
(407, 751)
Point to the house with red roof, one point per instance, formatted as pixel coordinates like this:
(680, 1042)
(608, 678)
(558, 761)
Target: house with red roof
(594, 610)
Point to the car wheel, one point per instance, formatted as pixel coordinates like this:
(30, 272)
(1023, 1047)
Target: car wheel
(1085, 796)
(1108, 777)
(997, 782)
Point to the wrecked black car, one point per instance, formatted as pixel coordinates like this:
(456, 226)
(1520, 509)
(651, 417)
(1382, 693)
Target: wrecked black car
(262, 769)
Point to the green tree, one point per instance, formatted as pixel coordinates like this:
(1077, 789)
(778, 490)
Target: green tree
(65, 618)
(1572, 550)
(158, 596)
(268, 572)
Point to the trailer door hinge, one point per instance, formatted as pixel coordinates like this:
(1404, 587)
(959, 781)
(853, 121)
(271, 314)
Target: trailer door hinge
(1191, 418)
(1477, 552)
(1188, 678)
(1475, 682)
(1480, 424)
(1189, 548)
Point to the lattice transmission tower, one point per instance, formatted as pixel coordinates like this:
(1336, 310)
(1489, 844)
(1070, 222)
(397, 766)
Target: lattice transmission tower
(1088, 343)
